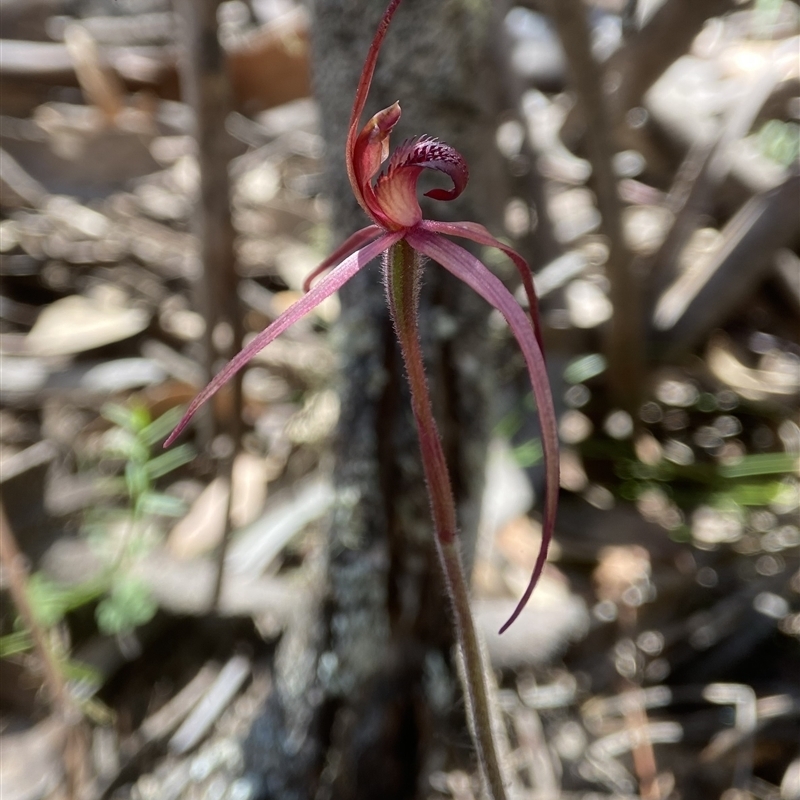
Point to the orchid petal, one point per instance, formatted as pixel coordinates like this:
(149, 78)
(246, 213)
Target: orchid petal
(477, 276)
(372, 145)
(349, 246)
(326, 287)
(478, 234)
(430, 153)
(371, 149)
(362, 91)
(396, 189)
(396, 197)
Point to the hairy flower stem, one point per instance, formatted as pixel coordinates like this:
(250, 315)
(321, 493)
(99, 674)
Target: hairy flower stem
(403, 269)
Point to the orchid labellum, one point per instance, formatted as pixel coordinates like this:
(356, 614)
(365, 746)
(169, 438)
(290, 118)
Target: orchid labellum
(386, 188)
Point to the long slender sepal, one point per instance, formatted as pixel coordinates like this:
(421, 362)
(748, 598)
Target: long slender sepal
(325, 288)
(476, 275)
(478, 234)
(345, 249)
(362, 91)
(368, 71)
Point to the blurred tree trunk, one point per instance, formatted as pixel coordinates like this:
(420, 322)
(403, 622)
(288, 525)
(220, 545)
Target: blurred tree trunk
(361, 716)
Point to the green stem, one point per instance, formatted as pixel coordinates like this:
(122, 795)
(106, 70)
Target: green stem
(403, 270)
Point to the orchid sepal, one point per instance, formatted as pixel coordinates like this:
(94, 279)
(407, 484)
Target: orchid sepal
(362, 90)
(392, 202)
(477, 233)
(478, 277)
(324, 289)
(353, 242)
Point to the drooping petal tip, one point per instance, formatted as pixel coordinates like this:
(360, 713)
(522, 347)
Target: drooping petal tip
(476, 275)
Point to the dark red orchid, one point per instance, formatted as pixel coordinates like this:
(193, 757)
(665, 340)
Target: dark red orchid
(389, 197)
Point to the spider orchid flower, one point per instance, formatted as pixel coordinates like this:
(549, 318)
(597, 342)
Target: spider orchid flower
(388, 196)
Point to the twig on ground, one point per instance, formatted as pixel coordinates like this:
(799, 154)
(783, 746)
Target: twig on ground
(17, 186)
(101, 87)
(743, 699)
(215, 701)
(158, 726)
(644, 759)
(538, 760)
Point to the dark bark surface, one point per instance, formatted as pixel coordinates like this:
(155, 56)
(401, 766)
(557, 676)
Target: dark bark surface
(361, 713)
